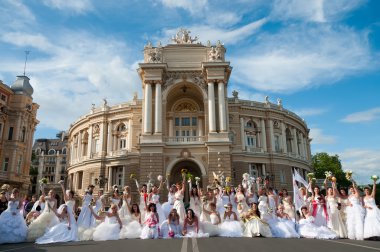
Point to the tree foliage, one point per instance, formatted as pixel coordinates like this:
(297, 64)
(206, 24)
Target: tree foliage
(322, 162)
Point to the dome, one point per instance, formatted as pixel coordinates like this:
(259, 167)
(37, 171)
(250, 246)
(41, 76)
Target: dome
(22, 85)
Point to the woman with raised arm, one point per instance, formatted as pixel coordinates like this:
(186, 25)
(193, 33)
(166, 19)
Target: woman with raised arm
(115, 198)
(372, 217)
(168, 206)
(263, 206)
(124, 211)
(66, 230)
(12, 225)
(335, 221)
(84, 219)
(46, 219)
(344, 202)
(212, 227)
(68, 197)
(154, 197)
(110, 228)
(143, 198)
(355, 215)
(178, 203)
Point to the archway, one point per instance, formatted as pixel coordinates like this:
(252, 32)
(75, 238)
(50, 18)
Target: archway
(192, 168)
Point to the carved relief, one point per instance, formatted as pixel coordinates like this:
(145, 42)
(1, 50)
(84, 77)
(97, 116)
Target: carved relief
(183, 37)
(195, 77)
(153, 55)
(185, 107)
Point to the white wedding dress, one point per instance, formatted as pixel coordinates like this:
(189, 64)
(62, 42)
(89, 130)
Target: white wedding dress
(335, 220)
(132, 229)
(12, 224)
(195, 205)
(372, 219)
(107, 230)
(230, 228)
(308, 229)
(212, 227)
(168, 206)
(254, 227)
(61, 231)
(124, 213)
(84, 219)
(355, 219)
(47, 219)
(179, 206)
(155, 198)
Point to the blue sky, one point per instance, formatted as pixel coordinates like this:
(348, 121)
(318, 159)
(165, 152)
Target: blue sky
(321, 57)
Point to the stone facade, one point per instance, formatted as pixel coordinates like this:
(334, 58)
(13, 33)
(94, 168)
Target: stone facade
(17, 125)
(50, 160)
(186, 120)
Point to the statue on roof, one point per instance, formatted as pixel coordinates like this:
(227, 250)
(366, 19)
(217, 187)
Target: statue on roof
(183, 37)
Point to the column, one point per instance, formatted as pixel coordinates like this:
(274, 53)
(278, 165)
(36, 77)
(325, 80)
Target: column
(211, 107)
(147, 109)
(123, 180)
(89, 148)
(109, 178)
(294, 142)
(158, 110)
(79, 145)
(170, 127)
(283, 134)
(200, 127)
(242, 133)
(222, 107)
(271, 133)
(263, 169)
(109, 138)
(130, 135)
(263, 135)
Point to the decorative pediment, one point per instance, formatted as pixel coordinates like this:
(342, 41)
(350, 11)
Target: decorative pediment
(185, 107)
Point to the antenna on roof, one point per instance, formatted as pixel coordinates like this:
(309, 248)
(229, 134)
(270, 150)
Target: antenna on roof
(26, 59)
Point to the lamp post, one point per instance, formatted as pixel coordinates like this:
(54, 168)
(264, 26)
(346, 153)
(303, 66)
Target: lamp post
(101, 181)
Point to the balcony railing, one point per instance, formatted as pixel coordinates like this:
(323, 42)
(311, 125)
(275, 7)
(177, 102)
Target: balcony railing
(254, 149)
(185, 140)
(118, 153)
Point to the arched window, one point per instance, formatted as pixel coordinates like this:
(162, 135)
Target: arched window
(51, 152)
(289, 140)
(121, 134)
(251, 134)
(64, 151)
(38, 151)
(23, 133)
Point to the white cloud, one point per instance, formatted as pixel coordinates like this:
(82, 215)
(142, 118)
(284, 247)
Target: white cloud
(193, 6)
(309, 112)
(363, 162)
(227, 36)
(313, 10)
(319, 137)
(75, 6)
(363, 116)
(302, 56)
(78, 70)
(15, 15)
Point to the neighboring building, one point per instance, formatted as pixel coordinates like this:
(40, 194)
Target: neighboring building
(186, 120)
(50, 162)
(17, 125)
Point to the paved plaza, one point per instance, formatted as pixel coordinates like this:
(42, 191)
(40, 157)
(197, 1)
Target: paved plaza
(203, 245)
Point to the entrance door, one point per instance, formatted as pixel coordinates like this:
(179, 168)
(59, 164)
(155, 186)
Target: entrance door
(176, 176)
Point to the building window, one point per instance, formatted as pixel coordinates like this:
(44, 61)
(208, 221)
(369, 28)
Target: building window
(277, 143)
(91, 178)
(253, 172)
(10, 133)
(18, 170)
(251, 140)
(80, 179)
(51, 152)
(23, 134)
(282, 176)
(5, 164)
(123, 144)
(97, 145)
(3, 97)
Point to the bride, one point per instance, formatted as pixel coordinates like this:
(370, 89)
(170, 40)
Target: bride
(355, 215)
(64, 231)
(12, 225)
(47, 218)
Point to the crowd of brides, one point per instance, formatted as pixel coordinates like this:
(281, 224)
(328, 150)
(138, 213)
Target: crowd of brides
(251, 209)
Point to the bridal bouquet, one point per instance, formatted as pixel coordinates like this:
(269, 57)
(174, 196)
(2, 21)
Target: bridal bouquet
(374, 177)
(43, 181)
(159, 178)
(348, 174)
(132, 176)
(328, 175)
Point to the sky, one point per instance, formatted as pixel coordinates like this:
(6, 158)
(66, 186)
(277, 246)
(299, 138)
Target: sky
(321, 57)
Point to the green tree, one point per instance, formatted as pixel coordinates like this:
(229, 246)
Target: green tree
(322, 162)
